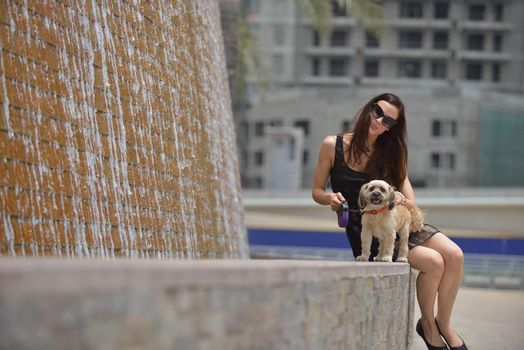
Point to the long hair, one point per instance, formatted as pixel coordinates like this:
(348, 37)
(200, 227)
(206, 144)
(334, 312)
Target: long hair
(390, 156)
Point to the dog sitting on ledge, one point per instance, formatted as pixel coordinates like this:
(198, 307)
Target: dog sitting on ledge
(383, 219)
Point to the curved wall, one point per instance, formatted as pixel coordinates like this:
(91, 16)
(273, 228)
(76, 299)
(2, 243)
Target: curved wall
(116, 131)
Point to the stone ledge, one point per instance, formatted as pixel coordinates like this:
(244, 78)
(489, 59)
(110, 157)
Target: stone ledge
(218, 304)
(235, 272)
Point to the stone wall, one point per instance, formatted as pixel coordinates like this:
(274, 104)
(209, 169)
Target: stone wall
(222, 304)
(116, 131)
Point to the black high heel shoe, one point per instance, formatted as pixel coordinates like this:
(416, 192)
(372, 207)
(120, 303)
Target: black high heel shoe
(420, 332)
(462, 347)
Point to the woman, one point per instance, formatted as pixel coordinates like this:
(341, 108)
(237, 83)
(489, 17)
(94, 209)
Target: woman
(376, 149)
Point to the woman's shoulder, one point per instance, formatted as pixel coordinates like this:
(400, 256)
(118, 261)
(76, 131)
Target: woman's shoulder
(330, 140)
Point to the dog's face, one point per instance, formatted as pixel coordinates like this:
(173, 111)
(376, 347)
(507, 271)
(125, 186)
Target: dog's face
(376, 193)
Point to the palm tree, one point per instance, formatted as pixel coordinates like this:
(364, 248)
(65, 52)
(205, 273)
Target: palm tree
(366, 12)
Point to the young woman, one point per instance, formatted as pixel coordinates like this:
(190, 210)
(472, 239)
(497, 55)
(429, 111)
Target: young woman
(376, 149)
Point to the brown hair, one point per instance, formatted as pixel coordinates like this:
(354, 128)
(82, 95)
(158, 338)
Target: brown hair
(390, 156)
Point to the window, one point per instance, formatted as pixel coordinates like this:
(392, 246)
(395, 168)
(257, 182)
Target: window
(254, 6)
(278, 64)
(280, 8)
(338, 38)
(259, 128)
(410, 40)
(346, 126)
(304, 125)
(291, 148)
(441, 9)
(477, 12)
(497, 43)
(440, 40)
(499, 12)
(411, 9)
(337, 67)
(259, 158)
(337, 9)
(475, 42)
(316, 38)
(445, 160)
(256, 182)
(439, 70)
(409, 69)
(371, 40)
(444, 128)
(371, 68)
(495, 72)
(315, 66)
(279, 34)
(305, 157)
(275, 122)
(435, 160)
(474, 71)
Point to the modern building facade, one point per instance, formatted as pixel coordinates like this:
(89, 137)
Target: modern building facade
(458, 66)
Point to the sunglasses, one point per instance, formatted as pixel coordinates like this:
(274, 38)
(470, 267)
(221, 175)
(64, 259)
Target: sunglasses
(377, 113)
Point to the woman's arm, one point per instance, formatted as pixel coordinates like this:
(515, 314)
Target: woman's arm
(407, 191)
(324, 165)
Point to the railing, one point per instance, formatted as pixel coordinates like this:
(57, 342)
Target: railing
(494, 271)
(480, 270)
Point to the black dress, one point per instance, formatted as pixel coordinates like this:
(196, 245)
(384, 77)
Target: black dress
(348, 182)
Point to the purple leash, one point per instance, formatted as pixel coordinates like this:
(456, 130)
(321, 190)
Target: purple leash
(343, 215)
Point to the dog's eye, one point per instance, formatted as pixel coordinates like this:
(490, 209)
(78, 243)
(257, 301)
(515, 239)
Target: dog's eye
(382, 189)
(372, 188)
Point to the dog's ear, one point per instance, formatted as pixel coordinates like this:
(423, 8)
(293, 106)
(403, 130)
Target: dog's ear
(361, 199)
(391, 202)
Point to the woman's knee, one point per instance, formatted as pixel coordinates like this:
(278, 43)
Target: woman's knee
(449, 250)
(454, 257)
(437, 263)
(432, 263)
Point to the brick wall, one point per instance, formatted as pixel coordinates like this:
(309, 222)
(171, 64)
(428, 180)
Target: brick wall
(205, 304)
(116, 133)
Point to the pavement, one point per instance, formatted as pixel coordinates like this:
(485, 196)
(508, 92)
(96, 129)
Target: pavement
(485, 319)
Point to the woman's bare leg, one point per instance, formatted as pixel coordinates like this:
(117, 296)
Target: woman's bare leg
(431, 266)
(449, 284)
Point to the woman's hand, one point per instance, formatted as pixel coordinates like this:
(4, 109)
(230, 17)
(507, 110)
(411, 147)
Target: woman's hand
(336, 201)
(400, 198)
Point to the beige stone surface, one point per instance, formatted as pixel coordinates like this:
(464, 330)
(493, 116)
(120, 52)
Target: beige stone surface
(204, 304)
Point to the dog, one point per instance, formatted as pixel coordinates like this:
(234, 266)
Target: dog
(383, 219)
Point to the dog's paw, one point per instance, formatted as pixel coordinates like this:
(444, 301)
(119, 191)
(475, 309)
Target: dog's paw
(385, 259)
(362, 258)
(402, 259)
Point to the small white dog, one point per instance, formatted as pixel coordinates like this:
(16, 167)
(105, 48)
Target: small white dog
(383, 219)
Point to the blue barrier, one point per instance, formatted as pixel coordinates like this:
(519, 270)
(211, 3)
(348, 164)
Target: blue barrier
(314, 239)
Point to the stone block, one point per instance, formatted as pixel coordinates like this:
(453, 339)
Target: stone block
(206, 304)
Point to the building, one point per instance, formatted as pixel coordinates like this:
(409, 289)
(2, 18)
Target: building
(458, 65)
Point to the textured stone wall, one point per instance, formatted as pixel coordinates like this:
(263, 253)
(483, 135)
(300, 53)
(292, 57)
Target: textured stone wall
(224, 304)
(116, 133)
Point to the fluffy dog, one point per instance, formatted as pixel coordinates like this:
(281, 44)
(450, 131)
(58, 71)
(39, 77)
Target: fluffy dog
(383, 219)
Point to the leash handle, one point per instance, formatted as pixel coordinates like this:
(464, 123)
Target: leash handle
(343, 215)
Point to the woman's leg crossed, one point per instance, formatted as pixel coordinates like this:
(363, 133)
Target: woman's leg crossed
(450, 283)
(431, 266)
